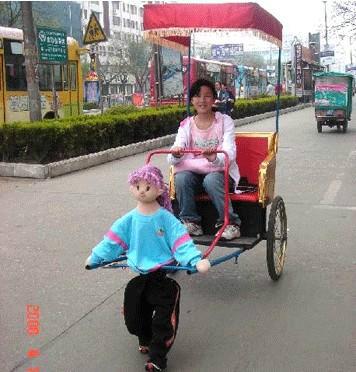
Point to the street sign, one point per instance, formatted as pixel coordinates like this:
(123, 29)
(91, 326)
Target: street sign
(52, 45)
(327, 57)
(223, 51)
(94, 32)
(327, 53)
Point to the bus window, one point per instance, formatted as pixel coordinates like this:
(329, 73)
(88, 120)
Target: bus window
(65, 77)
(73, 76)
(15, 66)
(58, 81)
(45, 77)
(44, 74)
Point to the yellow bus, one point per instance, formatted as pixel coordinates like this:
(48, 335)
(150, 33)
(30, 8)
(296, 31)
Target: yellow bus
(14, 102)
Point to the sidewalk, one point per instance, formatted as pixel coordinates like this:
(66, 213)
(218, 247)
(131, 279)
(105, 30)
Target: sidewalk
(59, 168)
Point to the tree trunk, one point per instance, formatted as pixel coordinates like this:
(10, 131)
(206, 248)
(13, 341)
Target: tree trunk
(31, 61)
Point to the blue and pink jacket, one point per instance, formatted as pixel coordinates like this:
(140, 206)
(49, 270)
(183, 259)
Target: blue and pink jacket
(149, 242)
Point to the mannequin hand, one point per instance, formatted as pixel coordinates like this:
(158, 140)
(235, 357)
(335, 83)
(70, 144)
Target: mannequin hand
(87, 263)
(203, 265)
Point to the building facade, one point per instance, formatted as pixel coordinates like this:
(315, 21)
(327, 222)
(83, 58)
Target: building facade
(122, 21)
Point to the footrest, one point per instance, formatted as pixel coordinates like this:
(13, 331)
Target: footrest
(241, 242)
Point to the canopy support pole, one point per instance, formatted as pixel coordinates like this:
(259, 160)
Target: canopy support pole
(278, 89)
(188, 77)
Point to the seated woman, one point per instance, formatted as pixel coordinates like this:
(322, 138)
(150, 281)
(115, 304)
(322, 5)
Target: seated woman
(207, 131)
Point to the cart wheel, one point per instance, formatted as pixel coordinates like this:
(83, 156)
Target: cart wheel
(344, 126)
(319, 126)
(276, 238)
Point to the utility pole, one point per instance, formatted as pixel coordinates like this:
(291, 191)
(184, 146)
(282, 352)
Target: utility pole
(326, 25)
(31, 61)
(326, 32)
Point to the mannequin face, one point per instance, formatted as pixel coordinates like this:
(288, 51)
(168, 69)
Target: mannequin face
(144, 192)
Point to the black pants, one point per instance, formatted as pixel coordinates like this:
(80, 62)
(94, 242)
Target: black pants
(151, 309)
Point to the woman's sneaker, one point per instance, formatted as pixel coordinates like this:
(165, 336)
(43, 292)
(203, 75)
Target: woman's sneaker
(231, 232)
(193, 228)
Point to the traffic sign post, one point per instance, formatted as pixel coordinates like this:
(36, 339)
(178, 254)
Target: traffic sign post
(327, 57)
(52, 45)
(94, 32)
(53, 49)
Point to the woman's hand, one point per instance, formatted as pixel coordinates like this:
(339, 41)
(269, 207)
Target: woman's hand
(210, 154)
(177, 152)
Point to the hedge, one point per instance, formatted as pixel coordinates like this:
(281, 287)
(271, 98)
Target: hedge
(58, 139)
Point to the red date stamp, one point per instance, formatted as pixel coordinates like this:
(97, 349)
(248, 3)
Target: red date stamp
(33, 329)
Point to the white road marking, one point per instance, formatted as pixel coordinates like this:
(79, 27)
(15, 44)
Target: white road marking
(336, 207)
(331, 192)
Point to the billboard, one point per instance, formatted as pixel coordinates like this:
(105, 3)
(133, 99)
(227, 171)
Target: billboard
(298, 69)
(172, 76)
(225, 51)
(327, 57)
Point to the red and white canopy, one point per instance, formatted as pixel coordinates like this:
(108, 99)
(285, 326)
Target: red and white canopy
(172, 24)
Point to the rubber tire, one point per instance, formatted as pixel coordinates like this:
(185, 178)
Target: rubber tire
(319, 127)
(277, 210)
(344, 127)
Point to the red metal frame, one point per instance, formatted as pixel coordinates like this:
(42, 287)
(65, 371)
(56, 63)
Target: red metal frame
(226, 196)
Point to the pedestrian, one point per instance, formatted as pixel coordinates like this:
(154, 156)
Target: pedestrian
(270, 89)
(228, 99)
(207, 131)
(219, 104)
(151, 237)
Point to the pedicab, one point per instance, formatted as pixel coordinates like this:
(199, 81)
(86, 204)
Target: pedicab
(333, 100)
(172, 25)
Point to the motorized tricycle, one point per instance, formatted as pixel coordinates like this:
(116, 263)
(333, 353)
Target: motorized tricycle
(333, 99)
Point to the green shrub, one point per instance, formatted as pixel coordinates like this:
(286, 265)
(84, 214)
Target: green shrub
(90, 106)
(121, 109)
(53, 140)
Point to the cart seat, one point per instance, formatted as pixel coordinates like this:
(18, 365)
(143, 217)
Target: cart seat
(251, 197)
(256, 159)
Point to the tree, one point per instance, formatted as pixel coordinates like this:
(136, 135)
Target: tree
(133, 59)
(31, 61)
(139, 54)
(345, 16)
(10, 14)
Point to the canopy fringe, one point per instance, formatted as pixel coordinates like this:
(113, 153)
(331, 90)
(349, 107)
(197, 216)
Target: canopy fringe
(157, 36)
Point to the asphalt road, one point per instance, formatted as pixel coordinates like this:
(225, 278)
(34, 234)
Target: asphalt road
(232, 319)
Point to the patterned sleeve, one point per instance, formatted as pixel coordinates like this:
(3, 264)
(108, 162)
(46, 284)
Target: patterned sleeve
(228, 144)
(112, 245)
(180, 141)
(182, 245)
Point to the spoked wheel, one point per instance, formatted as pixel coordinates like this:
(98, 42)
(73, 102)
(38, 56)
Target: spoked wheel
(276, 238)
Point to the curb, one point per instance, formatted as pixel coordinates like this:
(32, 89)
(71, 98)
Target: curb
(59, 168)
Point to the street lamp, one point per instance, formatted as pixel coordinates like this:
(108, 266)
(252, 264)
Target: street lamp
(326, 32)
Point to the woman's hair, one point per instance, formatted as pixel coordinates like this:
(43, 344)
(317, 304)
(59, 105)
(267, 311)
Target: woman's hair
(196, 86)
(153, 176)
